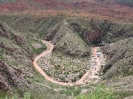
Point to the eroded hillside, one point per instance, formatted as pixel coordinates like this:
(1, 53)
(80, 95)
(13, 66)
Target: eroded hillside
(73, 38)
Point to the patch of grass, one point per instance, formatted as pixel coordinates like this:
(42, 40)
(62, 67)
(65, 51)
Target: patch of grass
(71, 91)
(122, 95)
(27, 95)
(8, 19)
(100, 92)
(37, 78)
(39, 50)
(32, 31)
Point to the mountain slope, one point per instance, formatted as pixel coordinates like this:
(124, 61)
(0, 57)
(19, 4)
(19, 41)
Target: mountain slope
(120, 61)
(10, 50)
(73, 27)
(67, 40)
(100, 8)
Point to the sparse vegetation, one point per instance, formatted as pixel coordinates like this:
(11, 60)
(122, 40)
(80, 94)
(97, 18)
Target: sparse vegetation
(70, 58)
(63, 67)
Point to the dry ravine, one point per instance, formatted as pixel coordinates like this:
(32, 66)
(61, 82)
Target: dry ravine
(97, 60)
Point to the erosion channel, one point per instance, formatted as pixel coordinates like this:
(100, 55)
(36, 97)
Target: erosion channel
(97, 60)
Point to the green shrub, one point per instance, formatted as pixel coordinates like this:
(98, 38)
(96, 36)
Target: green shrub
(100, 92)
(27, 95)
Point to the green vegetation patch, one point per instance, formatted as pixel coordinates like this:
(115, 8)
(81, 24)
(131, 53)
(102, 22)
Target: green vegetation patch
(99, 92)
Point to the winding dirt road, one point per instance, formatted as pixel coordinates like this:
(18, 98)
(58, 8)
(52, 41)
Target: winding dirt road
(87, 77)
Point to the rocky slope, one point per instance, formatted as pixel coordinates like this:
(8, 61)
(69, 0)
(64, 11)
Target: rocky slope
(120, 62)
(9, 56)
(118, 70)
(16, 55)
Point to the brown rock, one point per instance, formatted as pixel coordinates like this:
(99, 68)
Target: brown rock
(95, 36)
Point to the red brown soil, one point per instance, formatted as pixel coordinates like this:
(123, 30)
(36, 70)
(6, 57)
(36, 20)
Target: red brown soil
(86, 8)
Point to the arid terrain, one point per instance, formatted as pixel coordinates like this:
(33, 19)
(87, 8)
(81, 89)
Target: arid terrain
(66, 49)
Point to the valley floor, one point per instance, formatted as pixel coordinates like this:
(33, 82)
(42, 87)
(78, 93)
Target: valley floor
(90, 76)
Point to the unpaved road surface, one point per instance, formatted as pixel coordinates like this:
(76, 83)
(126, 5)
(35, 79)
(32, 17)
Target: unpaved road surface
(95, 66)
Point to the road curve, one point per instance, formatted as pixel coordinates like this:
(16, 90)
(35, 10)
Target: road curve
(89, 75)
